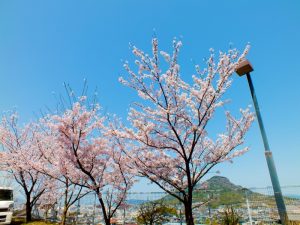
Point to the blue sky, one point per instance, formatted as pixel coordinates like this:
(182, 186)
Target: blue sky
(46, 43)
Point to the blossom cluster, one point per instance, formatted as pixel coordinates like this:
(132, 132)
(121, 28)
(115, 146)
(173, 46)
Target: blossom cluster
(167, 141)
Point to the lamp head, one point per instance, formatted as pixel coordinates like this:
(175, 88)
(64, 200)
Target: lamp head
(244, 67)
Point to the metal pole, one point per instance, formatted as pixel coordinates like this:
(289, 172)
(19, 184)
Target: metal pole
(248, 208)
(269, 157)
(209, 210)
(94, 210)
(78, 211)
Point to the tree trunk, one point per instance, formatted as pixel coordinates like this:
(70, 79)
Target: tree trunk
(66, 207)
(64, 216)
(105, 216)
(188, 212)
(28, 208)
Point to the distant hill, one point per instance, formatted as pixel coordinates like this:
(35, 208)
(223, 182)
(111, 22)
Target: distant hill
(220, 191)
(223, 192)
(222, 183)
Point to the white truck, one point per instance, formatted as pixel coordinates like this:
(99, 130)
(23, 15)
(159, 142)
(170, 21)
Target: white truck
(6, 205)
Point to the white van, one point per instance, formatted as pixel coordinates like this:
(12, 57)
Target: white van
(6, 205)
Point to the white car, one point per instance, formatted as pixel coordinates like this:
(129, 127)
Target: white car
(6, 205)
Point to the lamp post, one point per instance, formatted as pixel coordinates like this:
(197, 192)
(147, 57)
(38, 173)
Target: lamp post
(244, 68)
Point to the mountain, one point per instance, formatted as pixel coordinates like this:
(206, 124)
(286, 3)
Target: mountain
(222, 183)
(220, 191)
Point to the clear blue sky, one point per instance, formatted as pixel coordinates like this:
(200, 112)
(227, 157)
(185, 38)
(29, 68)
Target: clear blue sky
(46, 43)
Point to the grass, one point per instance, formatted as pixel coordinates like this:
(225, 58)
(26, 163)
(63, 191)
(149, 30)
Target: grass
(33, 223)
(21, 222)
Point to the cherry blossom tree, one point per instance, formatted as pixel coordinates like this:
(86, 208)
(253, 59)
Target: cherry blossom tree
(168, 141)
(50, 198)
(16, 159)
(87, 153)
(52, 164)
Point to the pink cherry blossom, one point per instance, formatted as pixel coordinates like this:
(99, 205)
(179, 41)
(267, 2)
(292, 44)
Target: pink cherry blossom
(168, 138)
(19, 153)
(85, 153)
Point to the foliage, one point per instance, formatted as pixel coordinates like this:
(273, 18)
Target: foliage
(21, 222)
(40, 223)
(230, 216)
(212, 221)
(155, 212)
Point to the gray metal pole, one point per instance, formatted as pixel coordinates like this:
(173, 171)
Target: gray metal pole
(271, 165)
(248, 208)
(94, 210)
(78, 211)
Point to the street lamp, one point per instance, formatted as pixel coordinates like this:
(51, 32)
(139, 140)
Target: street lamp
(244, 68)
